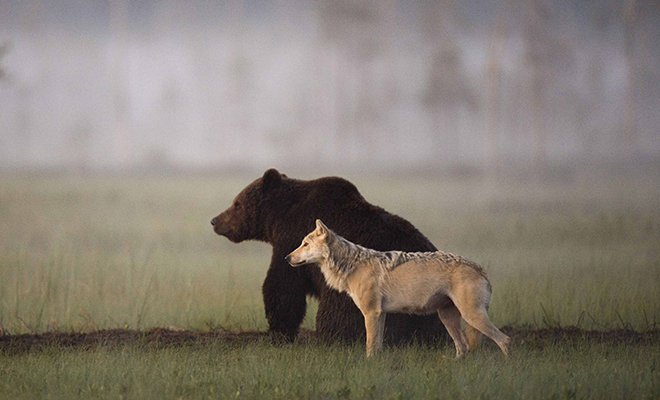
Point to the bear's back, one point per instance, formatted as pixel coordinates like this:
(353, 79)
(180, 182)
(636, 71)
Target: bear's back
(339, 204)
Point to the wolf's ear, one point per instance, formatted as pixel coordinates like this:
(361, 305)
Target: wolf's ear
(320, 228)
(271, 179)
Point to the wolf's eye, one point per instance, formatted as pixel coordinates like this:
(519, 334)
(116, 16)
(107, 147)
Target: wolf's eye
(305, 244)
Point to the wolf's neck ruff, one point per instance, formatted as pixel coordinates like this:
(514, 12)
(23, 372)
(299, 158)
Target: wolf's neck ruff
(343, 255)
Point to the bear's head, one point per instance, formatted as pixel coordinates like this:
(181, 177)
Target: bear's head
(245, 219)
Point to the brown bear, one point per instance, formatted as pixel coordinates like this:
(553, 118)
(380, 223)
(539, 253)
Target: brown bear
(280, 211)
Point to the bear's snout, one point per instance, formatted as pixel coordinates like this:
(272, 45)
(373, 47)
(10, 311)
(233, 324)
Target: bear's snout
(220, 225)
(223, 225)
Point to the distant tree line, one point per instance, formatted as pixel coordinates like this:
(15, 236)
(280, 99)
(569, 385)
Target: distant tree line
(361, 83)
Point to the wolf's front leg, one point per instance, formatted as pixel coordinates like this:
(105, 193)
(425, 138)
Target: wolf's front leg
(381, 329)
(375, 323)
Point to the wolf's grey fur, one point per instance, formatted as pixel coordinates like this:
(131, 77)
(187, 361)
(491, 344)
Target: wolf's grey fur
(344, 255)
(395, 281)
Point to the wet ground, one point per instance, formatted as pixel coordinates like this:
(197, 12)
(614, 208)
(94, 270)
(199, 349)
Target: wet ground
(163, 337)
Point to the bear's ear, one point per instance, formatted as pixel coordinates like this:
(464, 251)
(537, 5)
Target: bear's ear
(271, 179)
(320, 228)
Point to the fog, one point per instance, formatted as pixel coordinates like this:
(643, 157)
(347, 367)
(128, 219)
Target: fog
(240, 84)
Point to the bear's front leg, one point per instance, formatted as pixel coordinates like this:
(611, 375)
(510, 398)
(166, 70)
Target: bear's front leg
(284, 292)
(338, 318)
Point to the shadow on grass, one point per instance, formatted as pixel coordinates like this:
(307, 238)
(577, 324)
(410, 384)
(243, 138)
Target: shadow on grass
(157, 338)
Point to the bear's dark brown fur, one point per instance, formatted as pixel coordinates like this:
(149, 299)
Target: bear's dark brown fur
(280, 211)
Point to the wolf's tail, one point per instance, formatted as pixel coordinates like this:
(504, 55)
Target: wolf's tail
(473, 336)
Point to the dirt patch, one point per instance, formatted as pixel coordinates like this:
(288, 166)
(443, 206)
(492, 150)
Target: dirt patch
(163, 337)
(152, 338)
(573, 336)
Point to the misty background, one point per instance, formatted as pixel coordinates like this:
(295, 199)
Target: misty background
(243, 84)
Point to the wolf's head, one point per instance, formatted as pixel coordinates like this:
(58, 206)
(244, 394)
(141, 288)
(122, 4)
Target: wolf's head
(314, 247)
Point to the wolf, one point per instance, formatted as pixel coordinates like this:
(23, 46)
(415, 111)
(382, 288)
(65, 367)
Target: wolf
(403, 282)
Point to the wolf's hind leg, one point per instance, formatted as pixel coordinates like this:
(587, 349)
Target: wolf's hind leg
(479, 320)
(473, 336)
(471, 297)
(451, 318)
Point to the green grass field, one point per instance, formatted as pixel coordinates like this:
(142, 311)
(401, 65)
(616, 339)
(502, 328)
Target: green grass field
(89, 253)
(583, 370)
